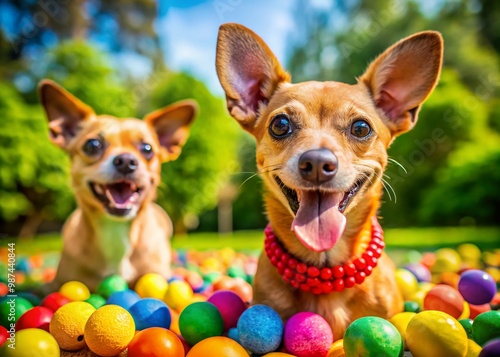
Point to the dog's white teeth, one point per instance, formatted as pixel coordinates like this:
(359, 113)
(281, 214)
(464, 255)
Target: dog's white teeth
(134, 197)
(98, 189)
(110, 198)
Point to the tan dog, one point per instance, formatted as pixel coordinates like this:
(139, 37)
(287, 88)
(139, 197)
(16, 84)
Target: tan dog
(115, 170)
(322, 150)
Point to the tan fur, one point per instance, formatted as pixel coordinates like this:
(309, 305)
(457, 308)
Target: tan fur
(387, 96)
(96, 243)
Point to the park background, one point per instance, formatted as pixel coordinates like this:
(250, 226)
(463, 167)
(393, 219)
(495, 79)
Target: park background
(127, 58)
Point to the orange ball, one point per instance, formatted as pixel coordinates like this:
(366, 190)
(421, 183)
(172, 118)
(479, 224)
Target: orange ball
(155, 342)
(243, 290)
(224, 283)
(217, 346)
(446, 299)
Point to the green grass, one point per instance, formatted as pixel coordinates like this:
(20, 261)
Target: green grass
(410, 238)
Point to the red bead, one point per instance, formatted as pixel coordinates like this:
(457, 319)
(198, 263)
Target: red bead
(313, 271)
(294, 283)
(288, 273)
(326, 273)
(280, 265)
(372, 261)
(304, 287)
(327, 287)
(300, 277)
(376, 241)
(301, 268)
(317, 290)
(287, 279)
(274, 260)
(349, 282)
(350, 269)
(285, 258)
(313, 282)
(338, 271)
(278, 252)
(360, 263)
(382, 245)
(360, 277)
(367, 254)
(368, 270)
(292, 263)
(373, 247)
(338, 285)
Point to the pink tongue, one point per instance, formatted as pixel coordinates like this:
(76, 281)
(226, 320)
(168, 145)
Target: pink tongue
(318, 223)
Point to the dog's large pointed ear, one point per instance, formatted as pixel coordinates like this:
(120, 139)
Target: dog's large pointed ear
(64, 111)
(172, 126)
(402, 77)
(248, 72)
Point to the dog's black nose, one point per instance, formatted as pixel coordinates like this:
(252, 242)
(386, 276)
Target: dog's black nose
(318, 166)
(125, 163)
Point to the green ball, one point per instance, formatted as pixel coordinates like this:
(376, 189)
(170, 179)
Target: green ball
(486, 327)
(236, 271)
(467, 325)
(96, 300)
(411, 306)
(199, 321)
(11, 309)
(372, 337)
(211, 277)
(110, 285)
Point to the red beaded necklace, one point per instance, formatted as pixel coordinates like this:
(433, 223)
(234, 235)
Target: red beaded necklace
(327, 279)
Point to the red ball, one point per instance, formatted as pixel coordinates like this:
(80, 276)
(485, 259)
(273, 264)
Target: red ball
(4, 290)
(4, 335)
(446, 299)
(36, 317)
(155, 342)
(230, 306)
(54, 301)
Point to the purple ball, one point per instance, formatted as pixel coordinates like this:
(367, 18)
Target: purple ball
(230, 306)
(477, 287)
(420, 271)
(491, 349)
(308, 335)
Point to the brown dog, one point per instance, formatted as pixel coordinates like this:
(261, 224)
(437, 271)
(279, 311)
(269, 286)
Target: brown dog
(322, 150)
(115, 170)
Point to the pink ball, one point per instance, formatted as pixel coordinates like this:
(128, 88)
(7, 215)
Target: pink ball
(230, 306)
(308, 335)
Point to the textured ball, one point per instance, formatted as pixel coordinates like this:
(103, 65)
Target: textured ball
(178, 295)
(444, 298)
(155, 342)
(55, 300)
(75, 291)
(150, 313)
(435, 334)
(151, 285)
(307, 335)
(477, 287)
(96, 300)
(109, 330)
(486, 327)
(110, 285)
(32, 342)
(401, 321)
(260, 329)
(491, 349)
(372, 337)
(217, 346)
(233, 334)
(230, 306)
(36, 317)
(125, 298)
(12, 306)
(421, 272)
(68, 325)
(199, 321)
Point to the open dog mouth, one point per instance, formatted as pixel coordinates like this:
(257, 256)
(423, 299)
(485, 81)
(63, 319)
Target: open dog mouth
(319, 220)
(118, 198)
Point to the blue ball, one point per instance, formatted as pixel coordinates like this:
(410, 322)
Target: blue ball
(23, 265)
(233, 334)
(125, 298)
(260, 329)
(150, 313)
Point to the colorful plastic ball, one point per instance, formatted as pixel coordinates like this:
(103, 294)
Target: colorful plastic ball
(68, 325)
(435, 334)
(4, 335)
(23, 265)
(406, 281)
(151, 285)
(32, 298)
(372, 336)
(32, 342)
(75, 291)
(199, 321)
(337, 349)
(55, 300)
(260, 329)
(150, 312)
(109, 330)
(486, 327)
(233, 334)
(477, 287)
(195, 281)
(401, 321)
(447, 260)
(230, 306)
(155, 342)
(444, 298)
(411, 306)
(96, 300)
(36, 317)
(467, 325)
(307, 334)
(11, 309)
(243, 289)
(217, 346)
(178, 295)
(491, 349)
(475, 310)
(110, 285)
(4, 289)
(125, 298)
(421, 272)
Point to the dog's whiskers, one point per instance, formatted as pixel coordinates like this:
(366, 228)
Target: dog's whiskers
(385, 184)
(260, 172)
(397, 163)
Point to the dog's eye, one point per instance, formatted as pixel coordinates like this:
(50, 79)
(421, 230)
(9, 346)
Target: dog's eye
(93, 147)
(146, 150)
(280, 127)
(360, 129)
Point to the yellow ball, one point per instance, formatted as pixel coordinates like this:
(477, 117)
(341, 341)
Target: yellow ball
(473, 349)
(466, 313)
(179, 294)
(407, 283)
(337, 349)
(447, 260)
(151, 285)
(469, 252)
(109, 330)
(401, 321)
(31, 342)
(68, 324)
(436, 334)
(75, 291)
